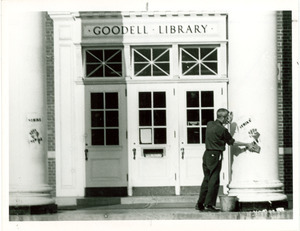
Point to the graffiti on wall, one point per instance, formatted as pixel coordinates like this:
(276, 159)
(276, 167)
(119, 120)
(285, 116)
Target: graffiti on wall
(254, 134)
(35, 127)
(35, 136)
(247, 131)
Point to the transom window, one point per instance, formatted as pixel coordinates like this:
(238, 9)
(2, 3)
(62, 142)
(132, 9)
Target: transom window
(193, 60)
(105, 118)
(151, 61)
(199, 111)
(103, 63)
(152, 118)
(201, 60)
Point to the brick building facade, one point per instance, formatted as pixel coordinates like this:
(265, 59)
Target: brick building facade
(284, 54)
(50, 102)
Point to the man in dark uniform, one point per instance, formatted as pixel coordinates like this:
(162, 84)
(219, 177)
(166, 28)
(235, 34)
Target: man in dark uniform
(217, 136)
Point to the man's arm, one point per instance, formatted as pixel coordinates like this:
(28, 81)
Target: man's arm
(230, 141)
(247, 145)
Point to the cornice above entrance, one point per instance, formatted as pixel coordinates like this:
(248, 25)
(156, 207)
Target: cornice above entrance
(116, 14)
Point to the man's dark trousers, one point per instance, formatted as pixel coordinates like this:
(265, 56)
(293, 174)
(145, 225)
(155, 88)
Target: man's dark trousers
(212, 164)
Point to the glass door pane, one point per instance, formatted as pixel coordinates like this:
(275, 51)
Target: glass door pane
(152, 118)
(104, 113)
(198, 114)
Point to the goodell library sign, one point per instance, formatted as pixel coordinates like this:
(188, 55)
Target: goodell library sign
(147, 30)
(164, 28)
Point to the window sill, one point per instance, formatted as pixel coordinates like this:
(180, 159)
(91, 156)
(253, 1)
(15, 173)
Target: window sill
(145, 80)
(96, 81)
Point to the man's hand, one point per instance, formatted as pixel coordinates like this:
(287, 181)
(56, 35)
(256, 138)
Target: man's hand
(253, 147)
(250, 146)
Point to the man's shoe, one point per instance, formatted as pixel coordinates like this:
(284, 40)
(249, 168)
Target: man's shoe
(210, 208)
(199, 207)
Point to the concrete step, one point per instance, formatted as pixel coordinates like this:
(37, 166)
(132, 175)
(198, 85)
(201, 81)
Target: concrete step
(97, 201)
(85, 202)
(104, 201)
(159, 199)
(168, 211)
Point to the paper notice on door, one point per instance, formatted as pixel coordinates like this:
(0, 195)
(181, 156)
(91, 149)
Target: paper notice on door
(145, 135)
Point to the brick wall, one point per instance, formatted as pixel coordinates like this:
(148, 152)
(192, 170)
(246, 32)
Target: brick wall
(50, 83)
(51, 176)
(50, 101)
(284, 59)
(286, 172)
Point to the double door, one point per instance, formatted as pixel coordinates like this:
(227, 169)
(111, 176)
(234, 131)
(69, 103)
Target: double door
(166, 127)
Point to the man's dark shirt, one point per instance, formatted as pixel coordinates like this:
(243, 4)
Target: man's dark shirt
(217, 136)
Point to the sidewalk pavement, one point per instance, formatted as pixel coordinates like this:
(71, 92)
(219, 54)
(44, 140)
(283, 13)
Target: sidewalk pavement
(149, 211)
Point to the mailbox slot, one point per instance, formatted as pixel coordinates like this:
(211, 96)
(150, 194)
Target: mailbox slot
(150, 152)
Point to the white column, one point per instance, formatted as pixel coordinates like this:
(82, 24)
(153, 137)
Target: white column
(253, 95)
(28, 176)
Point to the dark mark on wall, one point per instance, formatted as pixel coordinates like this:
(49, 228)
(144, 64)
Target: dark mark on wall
(35, 136)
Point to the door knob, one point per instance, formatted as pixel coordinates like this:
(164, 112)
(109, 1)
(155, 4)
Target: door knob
(86, 154)
(182, 153)
(134, 153)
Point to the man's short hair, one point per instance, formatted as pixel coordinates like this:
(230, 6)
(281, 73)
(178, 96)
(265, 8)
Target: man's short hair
(222, 112)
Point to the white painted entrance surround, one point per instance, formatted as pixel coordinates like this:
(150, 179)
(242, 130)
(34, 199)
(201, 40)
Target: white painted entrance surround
(70, 101)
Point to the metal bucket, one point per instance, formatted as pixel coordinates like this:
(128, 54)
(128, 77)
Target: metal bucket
(228, 203)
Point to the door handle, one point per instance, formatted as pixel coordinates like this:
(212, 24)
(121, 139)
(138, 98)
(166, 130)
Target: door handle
(134, 153)
(86, 154)
(182, 153)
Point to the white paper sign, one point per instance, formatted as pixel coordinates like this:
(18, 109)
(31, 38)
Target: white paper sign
(146, 135)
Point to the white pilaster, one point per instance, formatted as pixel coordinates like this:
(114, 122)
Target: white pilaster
(28, 176)
(253, 95)
(69, 105)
